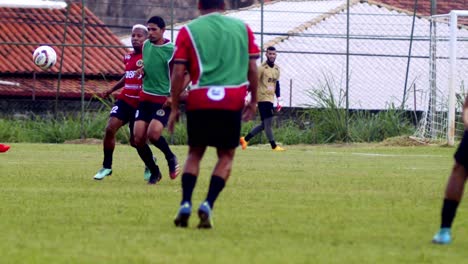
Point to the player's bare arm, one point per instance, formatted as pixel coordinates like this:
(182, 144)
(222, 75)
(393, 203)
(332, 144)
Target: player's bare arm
(252, 76)
(117, 86)
(178, 83)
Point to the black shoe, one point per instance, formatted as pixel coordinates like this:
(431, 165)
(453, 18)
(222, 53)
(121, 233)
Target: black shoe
(155, 178)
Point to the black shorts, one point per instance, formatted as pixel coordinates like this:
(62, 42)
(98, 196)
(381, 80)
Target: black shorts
(148, 111)
(216, 128)
(266, 110)
(123, 111)
(461, 155)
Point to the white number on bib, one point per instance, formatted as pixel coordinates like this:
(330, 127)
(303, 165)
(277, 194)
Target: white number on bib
(114, 109)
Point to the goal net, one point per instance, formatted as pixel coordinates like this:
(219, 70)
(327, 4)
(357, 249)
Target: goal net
(448, 78)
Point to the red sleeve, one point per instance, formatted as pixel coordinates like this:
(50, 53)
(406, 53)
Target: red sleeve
(183, 46)
(254, 52)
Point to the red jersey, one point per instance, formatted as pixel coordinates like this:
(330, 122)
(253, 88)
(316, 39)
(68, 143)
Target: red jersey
(131, 91)
(216, 50)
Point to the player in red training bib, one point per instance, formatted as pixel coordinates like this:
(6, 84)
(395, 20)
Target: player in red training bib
(125, 107)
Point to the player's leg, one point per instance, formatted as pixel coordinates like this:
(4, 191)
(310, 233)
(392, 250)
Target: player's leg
(267, 119)
(198, 128)
(262, 109)
(143, 118)
(115, 122)
(218, 180)
(189, 180)
(228, 131)
(155, 130)
(113, 125)
(244, 141)
(268, 122)
(453, 196)
(453, 192)
(131, 125)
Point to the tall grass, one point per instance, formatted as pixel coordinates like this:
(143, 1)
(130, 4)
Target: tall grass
(324, 122)
(47, 129)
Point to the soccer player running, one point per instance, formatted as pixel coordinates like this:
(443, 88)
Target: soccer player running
(455, 185)
(268, 76)
(220, 54)
(154, 107)
(124, 109)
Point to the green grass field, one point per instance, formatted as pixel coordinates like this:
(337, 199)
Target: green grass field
(311, 204)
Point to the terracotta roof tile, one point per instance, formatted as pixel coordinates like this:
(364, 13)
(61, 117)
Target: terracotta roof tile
(424, 7)
(33, 25)
(46, 87)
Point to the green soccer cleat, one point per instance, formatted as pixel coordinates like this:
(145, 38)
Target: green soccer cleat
(102, 173)
(205, 215)
(147, 173)
(443, 237)
(183, 215)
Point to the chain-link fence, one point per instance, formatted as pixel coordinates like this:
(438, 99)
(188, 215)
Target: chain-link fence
(365, 54)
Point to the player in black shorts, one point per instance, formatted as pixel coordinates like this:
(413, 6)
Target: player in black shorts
(268, 89)
(123, 111)
(215, 101)
(455, 186)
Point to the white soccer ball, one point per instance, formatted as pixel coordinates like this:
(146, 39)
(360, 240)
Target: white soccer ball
(44, 57)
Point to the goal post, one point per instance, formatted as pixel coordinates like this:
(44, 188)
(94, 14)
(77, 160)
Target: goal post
(448, 72)
(452, 72)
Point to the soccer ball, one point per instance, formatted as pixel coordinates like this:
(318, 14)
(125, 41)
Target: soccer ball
(44, 57)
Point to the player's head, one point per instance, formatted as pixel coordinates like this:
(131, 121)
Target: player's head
(156, 27)
(271, 54)
(139, 35)
(204, 5)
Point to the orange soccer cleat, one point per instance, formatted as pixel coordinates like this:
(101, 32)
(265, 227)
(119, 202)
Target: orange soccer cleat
(243, 143)
(278, 148)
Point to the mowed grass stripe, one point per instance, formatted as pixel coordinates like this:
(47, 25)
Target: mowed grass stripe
(300, 206)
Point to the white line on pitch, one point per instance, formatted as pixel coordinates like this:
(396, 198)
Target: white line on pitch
(386, 155)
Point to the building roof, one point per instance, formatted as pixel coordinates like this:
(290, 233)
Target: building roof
(282, 17)
(70, 88)
(379, 47)
(310, 37)
(22, 29)
(424, 7)
(33, 23)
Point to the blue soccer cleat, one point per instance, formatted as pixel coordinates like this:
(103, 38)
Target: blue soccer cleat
(205, 215)
(102, 173)
(183, 215)
(442, 237)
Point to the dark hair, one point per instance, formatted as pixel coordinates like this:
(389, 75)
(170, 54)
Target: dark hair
(159, 21)
(271, 48)
(210, 4)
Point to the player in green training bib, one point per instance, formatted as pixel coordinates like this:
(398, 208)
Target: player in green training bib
(154, 107)
(220, 54)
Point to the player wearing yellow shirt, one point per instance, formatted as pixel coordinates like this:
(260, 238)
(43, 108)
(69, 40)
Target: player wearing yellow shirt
(268, 89)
